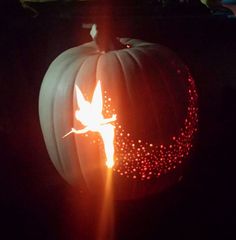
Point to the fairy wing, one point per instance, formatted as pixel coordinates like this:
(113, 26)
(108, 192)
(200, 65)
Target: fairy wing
(97, 102)
(81, 102)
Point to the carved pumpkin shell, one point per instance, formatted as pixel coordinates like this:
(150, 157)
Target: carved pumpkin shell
(155, 100)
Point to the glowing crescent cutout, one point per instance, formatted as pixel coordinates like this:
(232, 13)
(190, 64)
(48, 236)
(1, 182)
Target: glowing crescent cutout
(135, 158)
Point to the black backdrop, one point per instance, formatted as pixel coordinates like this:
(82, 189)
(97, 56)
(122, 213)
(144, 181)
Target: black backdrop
(36, 203)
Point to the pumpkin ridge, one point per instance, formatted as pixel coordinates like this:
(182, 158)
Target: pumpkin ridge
(54, 135)
(145, 80)
(83, 63)
(136, 62)
(163, 63)
(71, 53)
(118, 57)
(134, 58)
(96, 71)
(53, 113)
(62, 79)
(75, 107)
(139, 64)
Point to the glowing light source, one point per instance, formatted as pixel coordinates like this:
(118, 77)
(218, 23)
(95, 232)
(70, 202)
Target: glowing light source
(136, 159)
(90, 115)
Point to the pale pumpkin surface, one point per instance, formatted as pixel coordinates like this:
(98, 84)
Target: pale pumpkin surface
(148, 88)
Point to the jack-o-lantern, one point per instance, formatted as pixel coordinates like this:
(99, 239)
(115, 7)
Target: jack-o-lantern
(139, 102)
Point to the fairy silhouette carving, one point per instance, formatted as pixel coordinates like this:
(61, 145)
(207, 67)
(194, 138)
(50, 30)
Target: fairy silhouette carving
(90, 115)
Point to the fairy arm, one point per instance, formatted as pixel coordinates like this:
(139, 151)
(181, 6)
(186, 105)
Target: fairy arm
(73, 130)
(108, 120)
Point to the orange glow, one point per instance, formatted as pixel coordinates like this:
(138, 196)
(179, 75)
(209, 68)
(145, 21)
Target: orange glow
(106, 222)
(90, 115)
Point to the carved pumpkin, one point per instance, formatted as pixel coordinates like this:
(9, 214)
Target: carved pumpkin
(154, 97)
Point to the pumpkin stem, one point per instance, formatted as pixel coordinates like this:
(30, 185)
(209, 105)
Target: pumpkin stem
(104, 39)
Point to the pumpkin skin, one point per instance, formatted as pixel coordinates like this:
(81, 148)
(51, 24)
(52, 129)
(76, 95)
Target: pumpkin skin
(155, 100)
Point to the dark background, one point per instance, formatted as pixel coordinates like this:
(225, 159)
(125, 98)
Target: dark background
(35, 202)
